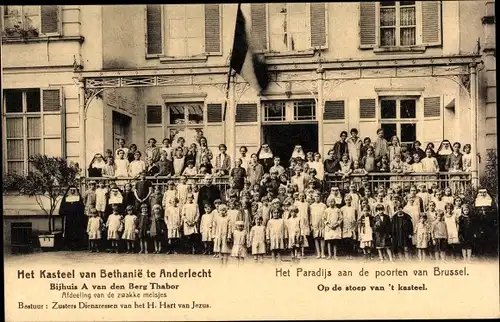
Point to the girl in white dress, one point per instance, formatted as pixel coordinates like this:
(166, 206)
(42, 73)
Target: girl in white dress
(305, 221)
(293, 231)
(122, 164)
(190, 218)
(298, 179)
(234, 215)
(100, 198)
(121, 146)
(136, 167)
(413, 209)
(239, 242)
(94, 226)
(167, 147)
(178, 161)
(467, 158)
(206, 228)
(365, 231)
(190, 169)
(318, 225)
(333, 228)
(182, 191)
(451, 221)
(257, 240)
(115, 226)
(276, 234)
(349, 218)
(173, 220)
(130, 229)
(169, 195)
(448, 195)
(222, 234)
(429, 165)
(431, 213)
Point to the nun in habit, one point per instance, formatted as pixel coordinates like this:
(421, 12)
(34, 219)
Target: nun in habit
(442, 154)
(72, 211)
(265, 156)
(96, 166)
(298, 152)
(487, 223)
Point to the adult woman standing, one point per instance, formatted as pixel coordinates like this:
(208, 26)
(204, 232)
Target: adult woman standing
(74, 220)
(152, 151)
(208, 193)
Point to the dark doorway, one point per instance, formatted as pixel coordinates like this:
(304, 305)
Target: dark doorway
(283, 138)
(121, 129)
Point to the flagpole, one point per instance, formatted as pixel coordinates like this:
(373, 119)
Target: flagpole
(229, 68)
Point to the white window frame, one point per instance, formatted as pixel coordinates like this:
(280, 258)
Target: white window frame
(288, 46)
(165, 37)
(418, 24)
(289, 111)
(398, 120)
(25, 116)
(59, 20)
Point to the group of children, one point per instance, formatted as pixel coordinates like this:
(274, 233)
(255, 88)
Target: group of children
(264, 222)
(270, 209)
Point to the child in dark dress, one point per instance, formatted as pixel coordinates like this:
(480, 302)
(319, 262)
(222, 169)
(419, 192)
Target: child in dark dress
(402, 230)
(128, 196)
(143, 229)
(382, 230)
(165, 165)
(466, 232)
(157, 228)
(156, 197)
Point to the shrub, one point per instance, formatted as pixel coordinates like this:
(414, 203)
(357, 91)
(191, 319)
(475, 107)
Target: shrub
(49, 179)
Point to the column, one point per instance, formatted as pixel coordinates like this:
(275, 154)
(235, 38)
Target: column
(231, 121)
(81, 114)
(319, 111)
(473, 116)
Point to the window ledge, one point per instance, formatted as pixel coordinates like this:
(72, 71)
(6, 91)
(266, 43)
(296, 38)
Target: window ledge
(290, 54)
(400, 50)
(198, 58)
(13, 40)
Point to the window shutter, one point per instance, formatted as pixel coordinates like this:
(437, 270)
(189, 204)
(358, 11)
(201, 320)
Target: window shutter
(367, 108)
(318, 25)
(49, 19)
(367, 24)
(334, 110)
(214, 113)
(259, 25)
(154, 114)
(431, 23)
(212, 28)
(51, 100)
(246, 113)
(432, 106)
(154, 29)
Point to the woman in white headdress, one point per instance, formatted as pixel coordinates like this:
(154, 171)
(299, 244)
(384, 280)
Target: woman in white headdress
(265, 156)
(442, 154)
(487, 223)
(298, 152)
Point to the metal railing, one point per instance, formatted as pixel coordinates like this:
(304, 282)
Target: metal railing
(222, 182)
(457, 181)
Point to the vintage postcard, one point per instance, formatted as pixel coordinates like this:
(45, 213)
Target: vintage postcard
(246, 161)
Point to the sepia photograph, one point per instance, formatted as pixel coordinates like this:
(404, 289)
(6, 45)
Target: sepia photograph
(242, 161)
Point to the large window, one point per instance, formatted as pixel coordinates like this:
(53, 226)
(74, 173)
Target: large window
(397, 23)
(30, 21)
(390, 25)
(399, 117)
(289, 111)
(288, 27)
(183, 30)
(32, 126)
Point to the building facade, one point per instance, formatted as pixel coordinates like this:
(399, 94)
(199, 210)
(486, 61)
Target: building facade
(421, 70)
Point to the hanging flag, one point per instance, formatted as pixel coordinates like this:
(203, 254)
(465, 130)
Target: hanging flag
(244, 61)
